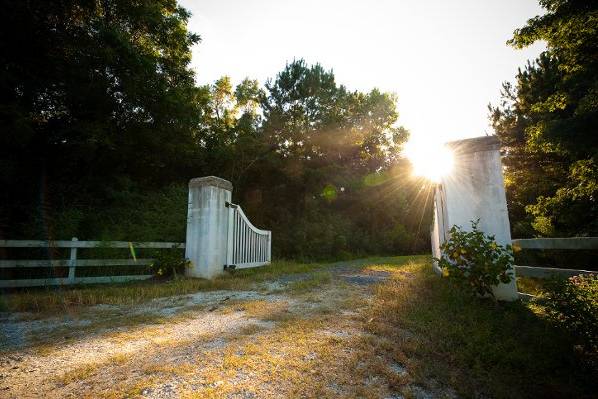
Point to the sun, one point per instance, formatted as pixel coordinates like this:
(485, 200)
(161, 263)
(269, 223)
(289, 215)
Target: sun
(430, 160)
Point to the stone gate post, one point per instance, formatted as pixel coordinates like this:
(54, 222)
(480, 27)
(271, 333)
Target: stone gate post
(207, 224)
(475, 190)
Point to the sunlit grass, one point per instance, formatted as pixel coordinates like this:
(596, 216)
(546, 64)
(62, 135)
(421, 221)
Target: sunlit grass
(63, 298)
(265, 310)
(323, 337)
(480, 348)
(530, 285)
(314, 280)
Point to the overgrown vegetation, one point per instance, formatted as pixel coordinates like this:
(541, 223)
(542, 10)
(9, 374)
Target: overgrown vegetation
(480, 348)
(474, 261)
(573, 305)
(531, 285)
(547, 124)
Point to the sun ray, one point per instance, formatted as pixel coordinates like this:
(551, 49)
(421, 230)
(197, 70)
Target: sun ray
(429, 160)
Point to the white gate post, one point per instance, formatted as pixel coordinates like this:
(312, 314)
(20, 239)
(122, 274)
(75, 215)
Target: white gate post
(207, 226)
(473, 190)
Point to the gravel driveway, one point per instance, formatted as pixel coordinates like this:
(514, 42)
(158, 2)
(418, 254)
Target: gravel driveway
(271, 341)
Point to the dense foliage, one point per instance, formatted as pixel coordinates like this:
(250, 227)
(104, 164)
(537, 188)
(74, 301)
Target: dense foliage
(475, 261)
(573, 305)
(547, 123)
(103, 126)
(96, 100)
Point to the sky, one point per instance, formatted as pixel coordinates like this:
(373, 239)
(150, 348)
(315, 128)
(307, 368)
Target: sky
(445, 59)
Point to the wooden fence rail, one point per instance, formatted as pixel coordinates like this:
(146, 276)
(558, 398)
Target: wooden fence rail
(573, 243)
(556, 243)
(73, 262)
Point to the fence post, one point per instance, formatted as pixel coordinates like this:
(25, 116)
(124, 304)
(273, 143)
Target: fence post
(269, 254)
(207, 226)
(72, 262)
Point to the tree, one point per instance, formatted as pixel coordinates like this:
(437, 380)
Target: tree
(328, 158)
(103, 126)
(547, 124)
(92, 93)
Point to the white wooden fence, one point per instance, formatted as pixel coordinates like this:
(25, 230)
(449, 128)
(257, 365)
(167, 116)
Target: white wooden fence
(219, 236)
(74, 262)
(573, 243)
(247, 246)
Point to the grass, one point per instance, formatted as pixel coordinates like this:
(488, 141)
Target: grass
(315, 280)
(80, 373)
(265, 310)
(409, 334)
(69, 298)
(480, 348)
(530, 285)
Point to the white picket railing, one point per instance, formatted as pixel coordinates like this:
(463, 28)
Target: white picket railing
(247, 245)
(74, 262)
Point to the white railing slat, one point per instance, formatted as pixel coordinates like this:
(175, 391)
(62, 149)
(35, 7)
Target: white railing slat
(547, 272)
(248, 245)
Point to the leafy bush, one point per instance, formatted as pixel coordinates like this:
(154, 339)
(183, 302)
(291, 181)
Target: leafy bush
(169, 263)
(475, 261)
(573, 304)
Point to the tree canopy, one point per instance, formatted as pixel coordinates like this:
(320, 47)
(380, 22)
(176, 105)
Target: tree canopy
(103, 126)
(547, 122)
(92, 93)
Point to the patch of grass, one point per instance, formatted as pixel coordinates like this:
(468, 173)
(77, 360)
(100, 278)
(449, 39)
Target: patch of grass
(265, 310)
(252, 329)
(530, 285)
(56, 299)
(68, 298)
(170, 369)
(89, 370)
(480, 348)
(44, 343)
(314, 280)
(299, 358)
(79, 374)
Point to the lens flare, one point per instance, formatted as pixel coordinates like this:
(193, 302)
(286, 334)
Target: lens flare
(429, 160)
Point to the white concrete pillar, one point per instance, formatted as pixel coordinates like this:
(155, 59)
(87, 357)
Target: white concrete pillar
(475, 190)
(207, 224)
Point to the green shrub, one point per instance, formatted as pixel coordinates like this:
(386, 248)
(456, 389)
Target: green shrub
(573, 304)
(169, 263)
(475, 261)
